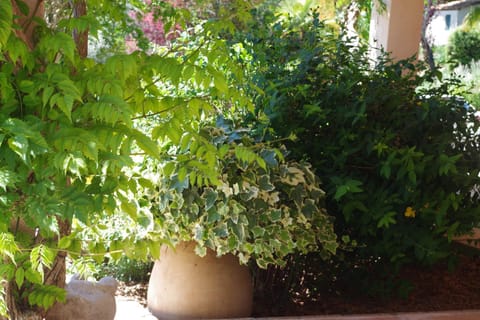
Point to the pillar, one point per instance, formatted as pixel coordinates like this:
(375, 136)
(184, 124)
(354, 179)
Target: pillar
(396, 27)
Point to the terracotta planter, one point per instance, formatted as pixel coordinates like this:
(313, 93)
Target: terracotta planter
(185, 286)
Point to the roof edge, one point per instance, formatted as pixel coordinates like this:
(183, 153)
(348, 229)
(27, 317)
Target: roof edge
(459, 4)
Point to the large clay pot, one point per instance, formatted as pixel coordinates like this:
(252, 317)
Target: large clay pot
(185, 286)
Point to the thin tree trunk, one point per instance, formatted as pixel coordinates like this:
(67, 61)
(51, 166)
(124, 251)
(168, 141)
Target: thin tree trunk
(27, 33)
(429, 12)
(352, 13)
(57, 273)
(80, 37)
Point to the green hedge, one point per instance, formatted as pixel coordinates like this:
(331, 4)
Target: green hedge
(396, 152)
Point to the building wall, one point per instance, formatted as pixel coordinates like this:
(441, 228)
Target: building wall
(440, 29)
(397, 29)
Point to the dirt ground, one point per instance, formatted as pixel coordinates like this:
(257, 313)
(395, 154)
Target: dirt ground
(433, 289)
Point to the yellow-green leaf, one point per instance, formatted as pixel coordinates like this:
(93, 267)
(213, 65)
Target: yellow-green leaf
(6, 17)
(19, 277)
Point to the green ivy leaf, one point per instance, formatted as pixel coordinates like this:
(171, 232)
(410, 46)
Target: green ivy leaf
(210, 197)
(258, 231)
(265, 184)
(201, 251)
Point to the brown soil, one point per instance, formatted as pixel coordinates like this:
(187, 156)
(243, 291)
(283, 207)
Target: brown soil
(432, 289)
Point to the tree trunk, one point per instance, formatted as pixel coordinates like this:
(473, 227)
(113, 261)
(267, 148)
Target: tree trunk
(27, 24)
(80, 37)
(429, 11)
(352, 13)
(57, 273)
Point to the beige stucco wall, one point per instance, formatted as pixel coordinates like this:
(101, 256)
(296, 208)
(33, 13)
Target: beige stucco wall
(397, 27)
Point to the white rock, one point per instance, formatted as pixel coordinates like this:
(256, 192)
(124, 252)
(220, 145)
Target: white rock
(87, 300)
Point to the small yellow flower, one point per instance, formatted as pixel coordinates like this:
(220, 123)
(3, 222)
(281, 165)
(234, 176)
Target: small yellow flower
(409, 212)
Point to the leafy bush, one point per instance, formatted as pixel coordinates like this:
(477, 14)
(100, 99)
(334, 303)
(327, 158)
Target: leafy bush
(125, 269)
(397, 154)
(464, 47)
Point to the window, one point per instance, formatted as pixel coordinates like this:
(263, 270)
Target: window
(448, 21)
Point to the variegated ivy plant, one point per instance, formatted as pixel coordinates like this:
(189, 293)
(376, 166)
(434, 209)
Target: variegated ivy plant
(262, 208)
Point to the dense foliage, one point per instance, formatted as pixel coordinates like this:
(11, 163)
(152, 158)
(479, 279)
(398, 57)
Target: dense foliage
(463, 47)
(397, 152)
(99, 158)
(71, 132)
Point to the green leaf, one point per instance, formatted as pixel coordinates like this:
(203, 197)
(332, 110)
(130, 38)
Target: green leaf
(201, 251)
(19, 52)
(116, 249)
(23, 7)
(220, 82)
(123, 66)
(341, 191)
(64, 103)
(64, 242)
(46, 295)
(154, 249)
(8, 246)
(47, 93)
(130, 208)
(452, 230)
(146, 144)
(348, 186)
(19, 277)
(387, 220)
(7, 179)
(213, 216)
(265, 184)
(258, 231)
(385, 170)
(6, 18)
(248, 156)
(57, 44)
(40, 257)
(19, 145)
(33, 276)
(210, 197)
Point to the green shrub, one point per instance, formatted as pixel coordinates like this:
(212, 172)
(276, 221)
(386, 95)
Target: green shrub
(440, 55)
(125, 269)
(464, 47)
(398, 157)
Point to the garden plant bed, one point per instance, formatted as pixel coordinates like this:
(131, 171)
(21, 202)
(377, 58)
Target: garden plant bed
(434, 289)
